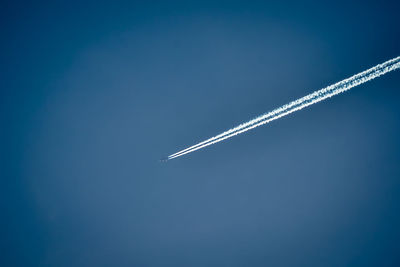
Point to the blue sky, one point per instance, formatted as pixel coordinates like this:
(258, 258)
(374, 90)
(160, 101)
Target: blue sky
(93, 94)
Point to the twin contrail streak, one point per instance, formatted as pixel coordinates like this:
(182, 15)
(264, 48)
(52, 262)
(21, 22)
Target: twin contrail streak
(298, 104)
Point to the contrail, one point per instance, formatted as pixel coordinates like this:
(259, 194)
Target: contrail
(298, 104)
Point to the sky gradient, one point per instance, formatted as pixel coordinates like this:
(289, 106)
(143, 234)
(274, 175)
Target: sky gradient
(93, 95)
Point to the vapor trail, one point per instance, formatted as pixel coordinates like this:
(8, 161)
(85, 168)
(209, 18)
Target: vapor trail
(298, 104)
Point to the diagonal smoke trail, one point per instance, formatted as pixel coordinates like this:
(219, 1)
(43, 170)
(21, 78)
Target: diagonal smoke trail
(298, 104)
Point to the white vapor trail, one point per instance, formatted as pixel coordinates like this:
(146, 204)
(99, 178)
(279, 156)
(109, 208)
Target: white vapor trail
(298, 104)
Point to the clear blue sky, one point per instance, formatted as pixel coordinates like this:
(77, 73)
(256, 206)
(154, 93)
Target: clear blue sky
(93, 94)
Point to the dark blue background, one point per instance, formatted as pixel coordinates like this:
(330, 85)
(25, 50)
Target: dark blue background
(93, 94)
